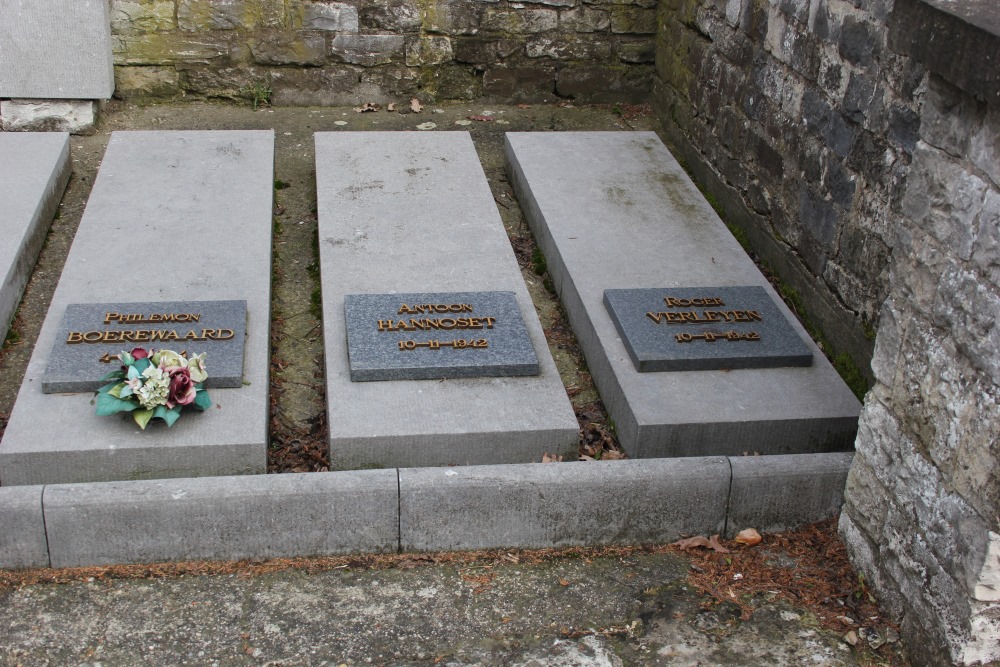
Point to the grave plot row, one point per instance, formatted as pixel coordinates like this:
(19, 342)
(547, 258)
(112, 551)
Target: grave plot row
(434, 353)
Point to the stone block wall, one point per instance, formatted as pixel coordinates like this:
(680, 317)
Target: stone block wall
(922, 516)
(802, 122)
(355, 51)
(858, 144)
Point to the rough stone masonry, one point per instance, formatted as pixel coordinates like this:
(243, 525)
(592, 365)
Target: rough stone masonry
(303, 52)
(858, 145)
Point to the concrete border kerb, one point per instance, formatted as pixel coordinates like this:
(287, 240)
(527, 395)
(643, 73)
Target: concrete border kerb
(414, 509)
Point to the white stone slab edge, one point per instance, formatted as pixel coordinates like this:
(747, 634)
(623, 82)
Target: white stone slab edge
(33, 239)
(530, 505)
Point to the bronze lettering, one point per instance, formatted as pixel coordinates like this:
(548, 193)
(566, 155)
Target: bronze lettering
(674, 302)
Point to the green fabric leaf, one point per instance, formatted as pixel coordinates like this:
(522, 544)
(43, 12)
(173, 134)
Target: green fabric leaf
(116, 390)
(113, 375)
(169, 415)
(109, 405)
(142, 417)
(106, 388)
(202, 401)
(140, 365)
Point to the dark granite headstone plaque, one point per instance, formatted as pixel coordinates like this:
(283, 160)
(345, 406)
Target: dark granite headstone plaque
(91, 333)
(704, 328)
(436, 335)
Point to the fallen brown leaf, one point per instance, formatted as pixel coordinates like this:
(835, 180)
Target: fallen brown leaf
(367, 107)
(699, 541)
(523, 106)
(551, 458)
(415, 105)
(391, 106)
(484, 119)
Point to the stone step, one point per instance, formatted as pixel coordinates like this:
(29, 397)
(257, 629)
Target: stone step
(411, 215)
(614, 210)
(34, 171)
(173, 217)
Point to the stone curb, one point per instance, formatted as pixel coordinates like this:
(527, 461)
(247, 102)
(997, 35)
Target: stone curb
(414, 509)
(541, 505)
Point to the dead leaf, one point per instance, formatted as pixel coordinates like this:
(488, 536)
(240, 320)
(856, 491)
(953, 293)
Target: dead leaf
(717, 545)
(612, 455)
(391, 106)
(699, 541)
(523, 106)
(484, 119)
(367, 107)
(748, 536)
(415, 105)
(584, 457)
(563, 582)
(551, 458)
(692, 542)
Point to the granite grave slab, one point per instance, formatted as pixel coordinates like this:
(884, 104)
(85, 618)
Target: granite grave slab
(614, 210)
(34, 171)
(92, 333)
(440, 335)
(56, 49)
(411, 213)
(704, 328)
(201, 189)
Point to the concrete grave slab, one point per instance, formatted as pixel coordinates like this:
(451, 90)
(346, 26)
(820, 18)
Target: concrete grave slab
(56, 49)
(614, 210)
(90, 334)
(161, 222)
(404, 212)
(449, 335)
(222, 518)
(34, 171)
